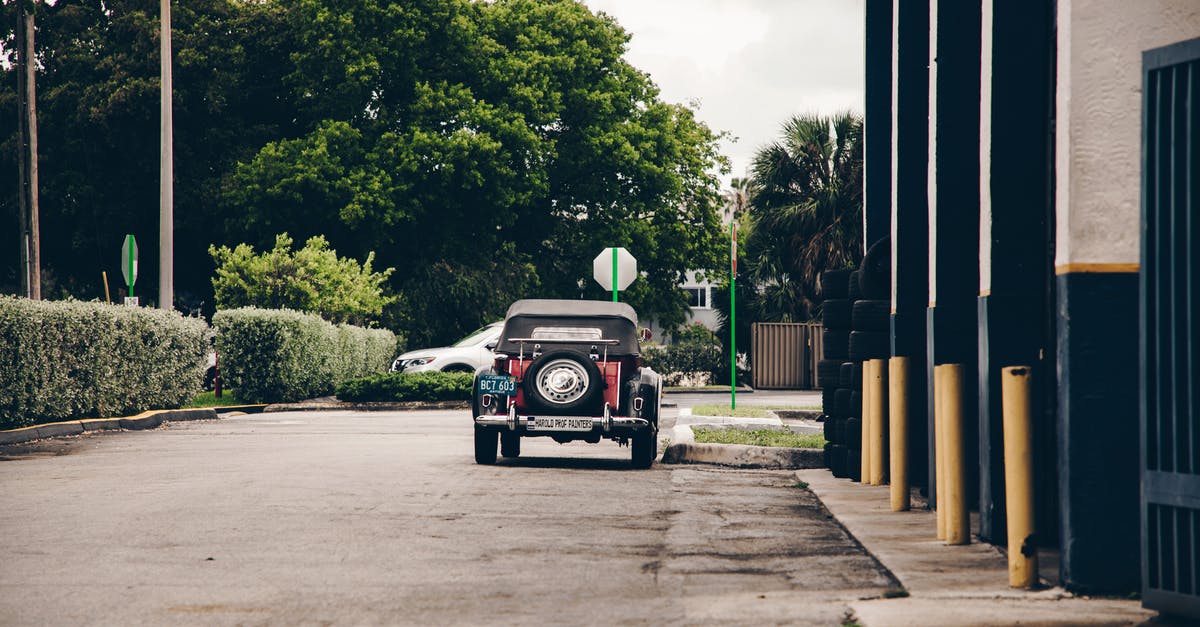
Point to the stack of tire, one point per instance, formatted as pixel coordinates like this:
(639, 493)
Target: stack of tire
(856, 324)
(870, 331)
(836, 374)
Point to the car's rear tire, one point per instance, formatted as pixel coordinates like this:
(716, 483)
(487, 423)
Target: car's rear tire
(644, 447)
(485, 446)
(510, 444)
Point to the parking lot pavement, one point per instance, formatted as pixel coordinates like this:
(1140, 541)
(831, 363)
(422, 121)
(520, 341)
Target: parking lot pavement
(384, 518)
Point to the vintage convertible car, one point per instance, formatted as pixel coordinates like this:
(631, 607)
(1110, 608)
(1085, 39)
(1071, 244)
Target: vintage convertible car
(568, 370)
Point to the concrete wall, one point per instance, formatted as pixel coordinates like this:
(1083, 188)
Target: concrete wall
(1099, 123)
(1098, 191)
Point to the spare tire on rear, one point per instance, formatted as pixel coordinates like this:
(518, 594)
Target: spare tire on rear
(563, 381)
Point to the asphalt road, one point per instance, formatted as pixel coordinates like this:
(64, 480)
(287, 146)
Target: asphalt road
(384, 518)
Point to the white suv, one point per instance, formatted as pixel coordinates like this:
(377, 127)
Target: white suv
(466, 355)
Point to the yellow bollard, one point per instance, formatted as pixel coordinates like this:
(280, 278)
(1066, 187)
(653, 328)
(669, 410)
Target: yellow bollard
(939, 454)
(878, 430)
(958, 520)
(898, 431)
(1018, 477)
(865, 466)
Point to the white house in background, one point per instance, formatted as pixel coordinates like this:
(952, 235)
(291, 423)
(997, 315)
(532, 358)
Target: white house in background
(700, 300)
(700, 303)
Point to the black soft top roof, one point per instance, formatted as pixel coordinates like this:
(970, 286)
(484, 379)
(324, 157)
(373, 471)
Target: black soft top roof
(616, 322)
(558, 308)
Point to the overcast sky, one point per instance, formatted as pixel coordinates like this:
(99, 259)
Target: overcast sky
(749, 64)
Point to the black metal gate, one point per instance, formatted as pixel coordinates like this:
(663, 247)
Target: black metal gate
(1170, 330)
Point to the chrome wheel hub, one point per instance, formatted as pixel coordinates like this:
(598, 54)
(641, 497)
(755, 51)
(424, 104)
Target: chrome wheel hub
(562, 381)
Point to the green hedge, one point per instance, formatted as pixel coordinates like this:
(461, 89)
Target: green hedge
(413, 386)
(676, 360)
(280, 355)
(63, 360)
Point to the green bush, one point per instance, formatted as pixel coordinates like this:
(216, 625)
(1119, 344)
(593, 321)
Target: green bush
(413, 386)
(67, 360)
(280, 355)
(694, 333)
(677, 360)
(312, 278)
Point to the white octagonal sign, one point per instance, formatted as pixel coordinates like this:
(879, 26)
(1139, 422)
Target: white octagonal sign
(603, 268)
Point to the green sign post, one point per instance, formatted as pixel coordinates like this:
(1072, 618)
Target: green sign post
(614, 274)
(614, 269)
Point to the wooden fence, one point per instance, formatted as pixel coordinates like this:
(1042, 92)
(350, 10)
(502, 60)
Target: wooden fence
(783, 355)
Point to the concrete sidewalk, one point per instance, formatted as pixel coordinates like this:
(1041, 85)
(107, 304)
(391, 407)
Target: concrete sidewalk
(949, 585)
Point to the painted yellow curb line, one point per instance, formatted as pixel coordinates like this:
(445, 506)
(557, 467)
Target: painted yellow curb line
(145, 420)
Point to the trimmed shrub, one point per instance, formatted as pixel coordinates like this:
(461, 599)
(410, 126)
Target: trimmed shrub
(63, 360)
(280, 355)
(677, 361)
(412, 386)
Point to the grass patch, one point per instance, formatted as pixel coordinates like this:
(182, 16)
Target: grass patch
(760, 437)
(209, 399)
(745, 411)
(724, 410)
(896, 593)
(801, 485)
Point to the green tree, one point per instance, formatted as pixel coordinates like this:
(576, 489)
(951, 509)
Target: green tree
(312, 279)
(805, 212)
(507, 140)
(456, 134)
(446, 297)
(737, 197)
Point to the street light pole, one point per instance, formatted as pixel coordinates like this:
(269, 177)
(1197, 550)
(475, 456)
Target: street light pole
(166, 195)
(27, 157)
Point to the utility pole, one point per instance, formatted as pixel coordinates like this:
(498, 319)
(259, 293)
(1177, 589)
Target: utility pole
(27, 157)
(166, 191)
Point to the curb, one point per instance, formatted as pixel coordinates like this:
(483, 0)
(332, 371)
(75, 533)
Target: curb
(245, 409)
(145, 420)
(370, 406)
(798, 414)
(685, 450)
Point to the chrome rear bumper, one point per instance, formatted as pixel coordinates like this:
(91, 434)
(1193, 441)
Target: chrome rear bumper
(606, 423)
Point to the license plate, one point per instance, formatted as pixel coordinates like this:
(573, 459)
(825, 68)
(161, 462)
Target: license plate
(560, 423)
(498, 384)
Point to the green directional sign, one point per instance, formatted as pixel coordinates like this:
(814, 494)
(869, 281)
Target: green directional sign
(129, 262)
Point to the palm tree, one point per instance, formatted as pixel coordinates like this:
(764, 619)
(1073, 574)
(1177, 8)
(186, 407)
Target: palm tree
(805, 212)
(737, 198)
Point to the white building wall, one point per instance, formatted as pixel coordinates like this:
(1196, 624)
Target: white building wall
(1098, 133)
